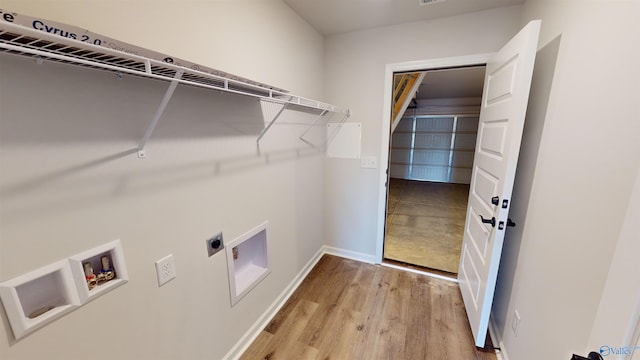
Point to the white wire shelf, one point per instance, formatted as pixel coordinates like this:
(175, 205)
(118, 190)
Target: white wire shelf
(42, 46)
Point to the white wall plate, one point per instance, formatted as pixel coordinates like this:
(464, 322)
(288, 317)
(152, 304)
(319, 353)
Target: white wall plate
(39, 297)
(343, 140)
(250, 264)
(113, 250)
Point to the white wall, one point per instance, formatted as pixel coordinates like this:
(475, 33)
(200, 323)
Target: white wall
(578, 165)
(578, 162)
(355, 67)
(618, 316)
(70, 179)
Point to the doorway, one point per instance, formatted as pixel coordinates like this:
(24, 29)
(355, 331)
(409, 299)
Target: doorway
(430, 162)
(503, 109)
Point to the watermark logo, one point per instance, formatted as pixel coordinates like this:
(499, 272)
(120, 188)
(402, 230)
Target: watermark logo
(606, 350)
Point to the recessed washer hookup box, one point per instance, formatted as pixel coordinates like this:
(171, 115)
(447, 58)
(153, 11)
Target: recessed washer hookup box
(84, 35)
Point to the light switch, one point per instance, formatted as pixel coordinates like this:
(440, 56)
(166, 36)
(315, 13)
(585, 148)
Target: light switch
(369, 162)
(165, 269)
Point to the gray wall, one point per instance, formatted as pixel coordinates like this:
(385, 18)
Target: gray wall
(577, 169)
(355, 66)
(70, 179)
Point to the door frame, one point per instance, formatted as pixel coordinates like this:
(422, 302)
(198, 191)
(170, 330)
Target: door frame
(390, 69)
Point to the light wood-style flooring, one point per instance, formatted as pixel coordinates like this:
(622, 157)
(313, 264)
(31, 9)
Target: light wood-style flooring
(345, 309)
(425, 223)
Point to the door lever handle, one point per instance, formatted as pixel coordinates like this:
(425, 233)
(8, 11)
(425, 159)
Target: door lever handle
(491, 221)
(510, 223)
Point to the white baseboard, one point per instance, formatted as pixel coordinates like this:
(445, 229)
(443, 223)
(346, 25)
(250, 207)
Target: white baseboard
(353, 255)
(249, 337)
(497, 341)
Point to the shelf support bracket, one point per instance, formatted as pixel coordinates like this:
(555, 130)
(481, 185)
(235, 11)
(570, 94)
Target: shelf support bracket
(158, 114)
(324, 111)
(264, 131)
(330, 137)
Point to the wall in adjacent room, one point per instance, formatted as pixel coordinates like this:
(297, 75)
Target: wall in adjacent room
(578, 165)
(70, 178)
(355, 70)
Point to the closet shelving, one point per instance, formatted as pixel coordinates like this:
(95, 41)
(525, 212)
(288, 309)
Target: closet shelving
(43, 46)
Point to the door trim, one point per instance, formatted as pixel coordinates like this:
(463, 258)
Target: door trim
(390, 69)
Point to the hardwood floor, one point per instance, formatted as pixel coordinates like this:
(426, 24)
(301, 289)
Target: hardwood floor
(425, 223)
(345, 309)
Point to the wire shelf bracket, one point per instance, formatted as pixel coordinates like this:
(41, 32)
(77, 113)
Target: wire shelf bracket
(264, 131)
(333, 134)
(324, 143)
(315, 121)
(154, 121)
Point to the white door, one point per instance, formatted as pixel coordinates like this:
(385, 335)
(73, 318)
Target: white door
(504, 104)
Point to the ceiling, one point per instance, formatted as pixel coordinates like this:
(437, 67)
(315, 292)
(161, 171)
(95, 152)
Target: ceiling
(452, 83)
(331, 17)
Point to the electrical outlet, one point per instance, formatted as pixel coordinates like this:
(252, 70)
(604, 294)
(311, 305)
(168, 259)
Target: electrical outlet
(368, 162)
(165, 269)
(215, 244)
(515, 324)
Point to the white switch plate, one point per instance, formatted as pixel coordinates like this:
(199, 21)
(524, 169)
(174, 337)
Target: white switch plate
(369, 162)
(515, 325)
(165, 269)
